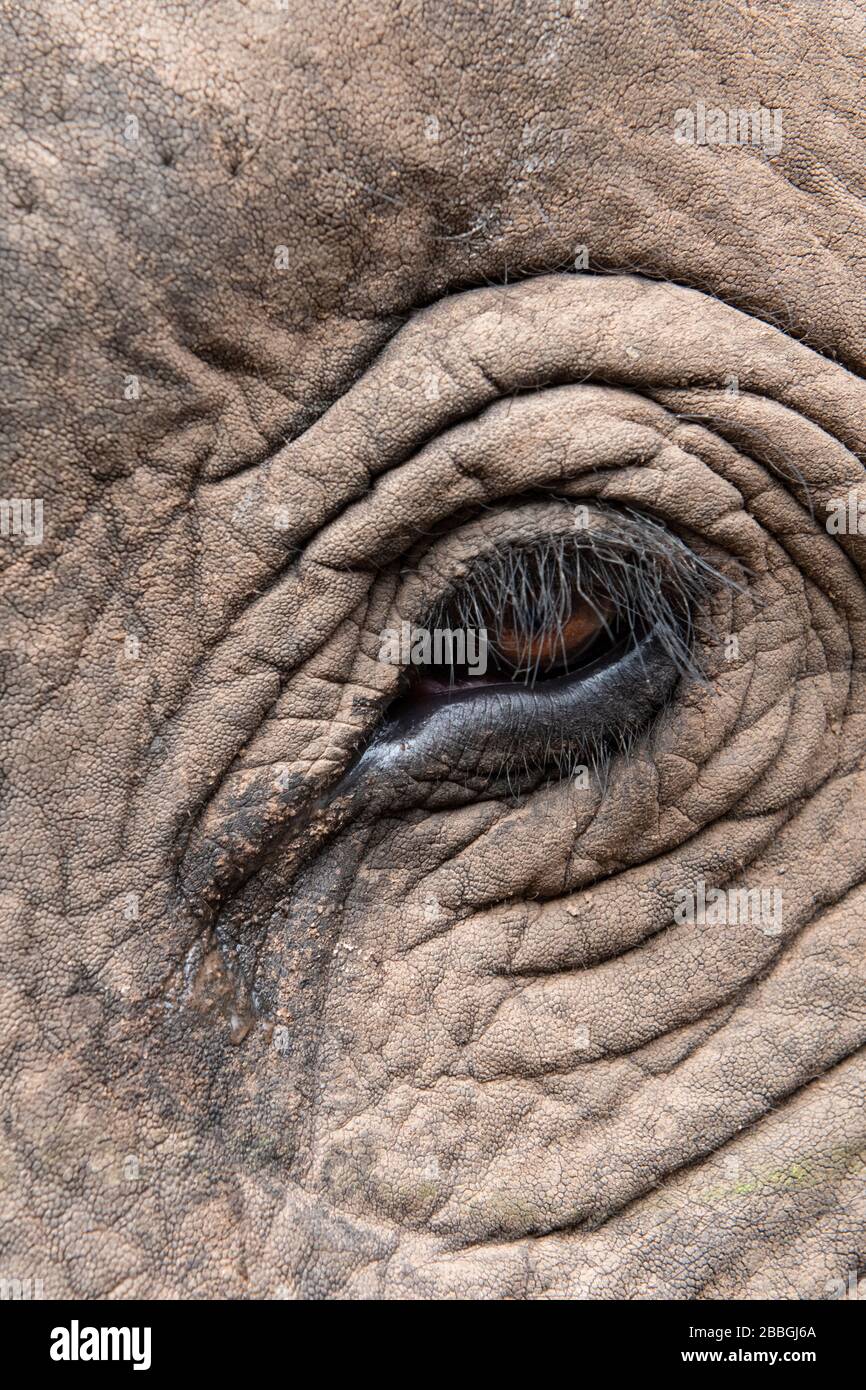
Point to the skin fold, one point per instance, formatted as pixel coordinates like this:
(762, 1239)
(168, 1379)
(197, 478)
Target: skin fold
(305, 307)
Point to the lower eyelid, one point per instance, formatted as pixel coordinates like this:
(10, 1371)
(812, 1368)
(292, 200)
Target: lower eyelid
(569, 719)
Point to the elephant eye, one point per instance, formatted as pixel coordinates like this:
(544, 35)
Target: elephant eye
(528, 614)
(535, 612)
(554, 651)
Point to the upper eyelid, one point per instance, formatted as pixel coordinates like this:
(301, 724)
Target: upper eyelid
(484, 345)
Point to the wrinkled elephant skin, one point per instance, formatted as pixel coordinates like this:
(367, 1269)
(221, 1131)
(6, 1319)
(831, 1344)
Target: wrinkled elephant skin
(308, 310)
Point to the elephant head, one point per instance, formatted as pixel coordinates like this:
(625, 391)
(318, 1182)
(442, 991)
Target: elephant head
(332, 966)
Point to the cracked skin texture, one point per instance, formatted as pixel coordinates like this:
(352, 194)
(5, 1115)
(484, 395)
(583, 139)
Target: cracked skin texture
(413, 1041)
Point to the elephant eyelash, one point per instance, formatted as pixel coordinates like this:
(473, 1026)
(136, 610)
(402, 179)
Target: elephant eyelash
(509, 725)
(628, 568)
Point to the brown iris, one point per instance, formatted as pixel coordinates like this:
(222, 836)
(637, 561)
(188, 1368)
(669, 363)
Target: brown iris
(542, 649)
